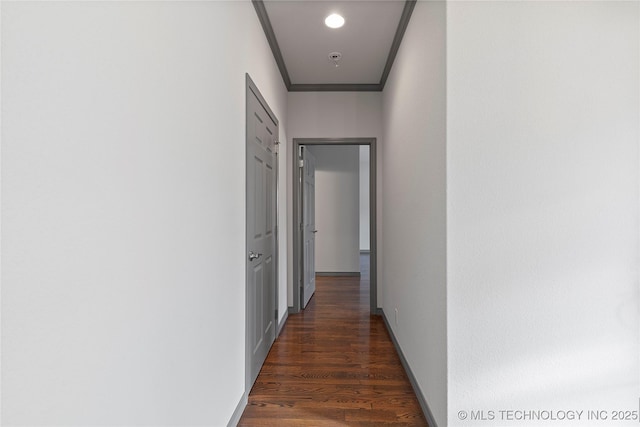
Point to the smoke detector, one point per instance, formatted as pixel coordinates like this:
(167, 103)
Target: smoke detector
(335, 57)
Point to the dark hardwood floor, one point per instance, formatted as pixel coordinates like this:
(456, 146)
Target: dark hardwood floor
(334, 365)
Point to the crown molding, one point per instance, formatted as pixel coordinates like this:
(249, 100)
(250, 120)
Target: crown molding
(328, 87)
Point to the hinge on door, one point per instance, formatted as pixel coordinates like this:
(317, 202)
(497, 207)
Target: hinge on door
(301, 163)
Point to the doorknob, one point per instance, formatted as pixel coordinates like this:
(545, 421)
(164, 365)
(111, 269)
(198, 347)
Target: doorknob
(253, 255)
(314, 231)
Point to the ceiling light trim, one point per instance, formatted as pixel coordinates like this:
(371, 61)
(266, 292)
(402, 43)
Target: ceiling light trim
(328, 87)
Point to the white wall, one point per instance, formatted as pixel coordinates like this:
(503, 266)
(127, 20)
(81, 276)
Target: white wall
(337, 204)
(543, 215)
(335, 115)
(414, 215)
(123, 249)
(364, 198)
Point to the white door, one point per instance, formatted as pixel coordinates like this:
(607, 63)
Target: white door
(262, 132)
(308, 225)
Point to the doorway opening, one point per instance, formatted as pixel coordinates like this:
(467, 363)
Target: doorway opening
(304, 231)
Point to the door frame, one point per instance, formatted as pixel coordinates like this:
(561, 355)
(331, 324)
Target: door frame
(297, 215)
(251, 88)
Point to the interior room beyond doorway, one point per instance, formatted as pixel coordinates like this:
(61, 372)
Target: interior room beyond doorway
(344, 221)
(341, 208)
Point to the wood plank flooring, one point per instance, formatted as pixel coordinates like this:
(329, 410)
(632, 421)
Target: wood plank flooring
(334, 365)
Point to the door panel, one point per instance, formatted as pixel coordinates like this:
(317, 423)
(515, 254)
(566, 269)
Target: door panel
(258, 282)
(309, 226)
(267, 315)
(258, 196)
(261, 231)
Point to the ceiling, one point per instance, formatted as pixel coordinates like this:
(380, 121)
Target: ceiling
(301, 42)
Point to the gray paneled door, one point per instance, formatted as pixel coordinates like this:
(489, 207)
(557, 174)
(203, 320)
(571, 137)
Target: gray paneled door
(262, 132)
(309, 226)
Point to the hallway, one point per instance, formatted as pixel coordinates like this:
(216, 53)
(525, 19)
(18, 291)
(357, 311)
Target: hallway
(334, 365)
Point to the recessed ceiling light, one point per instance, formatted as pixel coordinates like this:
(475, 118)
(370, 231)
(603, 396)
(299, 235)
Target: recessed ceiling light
(334, 21)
